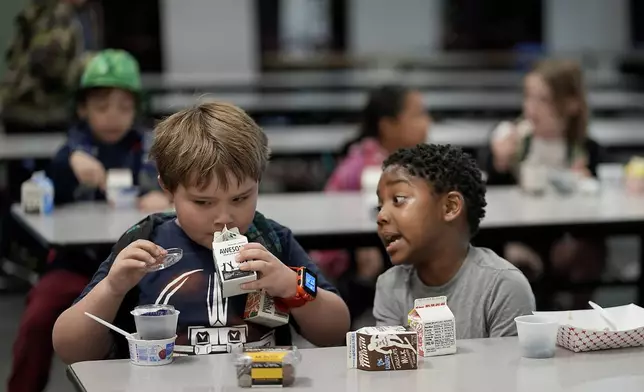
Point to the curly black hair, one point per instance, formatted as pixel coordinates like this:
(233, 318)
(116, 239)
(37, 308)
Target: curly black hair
(447, 169)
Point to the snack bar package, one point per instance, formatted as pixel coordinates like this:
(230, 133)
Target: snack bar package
(227, 244)
(267, 366)
(382, 348)
(261, 309)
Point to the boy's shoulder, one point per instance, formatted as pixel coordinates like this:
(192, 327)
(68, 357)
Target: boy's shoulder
(281, 230)
(488, 261)
(490, 267)
(271, 231)
(143, 229)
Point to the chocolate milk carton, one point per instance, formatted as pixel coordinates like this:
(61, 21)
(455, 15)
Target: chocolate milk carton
(261, 309)
(227, 244)
(382, 348)
(434, 322)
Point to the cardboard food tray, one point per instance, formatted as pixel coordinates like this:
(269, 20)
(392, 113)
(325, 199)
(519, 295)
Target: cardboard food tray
(586, 330)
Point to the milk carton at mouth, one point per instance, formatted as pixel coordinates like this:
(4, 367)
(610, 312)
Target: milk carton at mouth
(226, 245)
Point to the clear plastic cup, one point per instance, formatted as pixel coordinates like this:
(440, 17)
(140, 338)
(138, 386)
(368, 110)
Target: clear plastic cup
(537, 336)
(155, 322)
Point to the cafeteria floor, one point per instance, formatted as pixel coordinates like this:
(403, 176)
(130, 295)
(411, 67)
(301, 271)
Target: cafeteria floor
(622, 253)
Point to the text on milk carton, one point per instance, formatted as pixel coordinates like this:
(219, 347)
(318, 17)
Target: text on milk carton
(226, 245)
(435, 325)
(382, 348)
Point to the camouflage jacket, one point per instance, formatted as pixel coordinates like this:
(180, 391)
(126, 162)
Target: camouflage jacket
(44, 63)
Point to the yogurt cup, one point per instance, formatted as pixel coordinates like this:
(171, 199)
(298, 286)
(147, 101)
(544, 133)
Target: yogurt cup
(151, 352)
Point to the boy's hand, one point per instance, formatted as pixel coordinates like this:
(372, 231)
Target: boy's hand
(88, 170)
(276, 278)
(154, 201)
(131, 265)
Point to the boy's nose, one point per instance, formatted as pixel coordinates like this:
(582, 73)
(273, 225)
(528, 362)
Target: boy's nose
(383, 217)
(222, 220)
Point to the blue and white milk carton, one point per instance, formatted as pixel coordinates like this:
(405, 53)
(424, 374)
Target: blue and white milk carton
(37, 194)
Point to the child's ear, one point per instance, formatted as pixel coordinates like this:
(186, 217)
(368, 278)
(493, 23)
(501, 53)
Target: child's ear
(166, 191)
(453, 206)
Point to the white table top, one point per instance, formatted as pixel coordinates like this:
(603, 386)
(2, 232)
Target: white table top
(283, 140)
(315, 139)
(493, 365)
(312, 214)
(30, 146)
(356, 79)
(619, 132)
(354, 101)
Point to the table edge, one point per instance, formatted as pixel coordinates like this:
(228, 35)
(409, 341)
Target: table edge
(74, 380)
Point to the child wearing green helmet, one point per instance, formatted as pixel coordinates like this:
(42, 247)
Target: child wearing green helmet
(105, 137)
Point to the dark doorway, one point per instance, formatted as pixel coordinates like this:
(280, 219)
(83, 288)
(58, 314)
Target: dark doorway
(135, 26)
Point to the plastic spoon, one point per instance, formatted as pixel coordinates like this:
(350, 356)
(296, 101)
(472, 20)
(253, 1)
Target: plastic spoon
(110, 326)
(609, 320)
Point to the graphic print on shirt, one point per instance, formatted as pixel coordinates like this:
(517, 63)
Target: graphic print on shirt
(217, 337)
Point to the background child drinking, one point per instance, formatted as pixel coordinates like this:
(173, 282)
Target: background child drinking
(552, 133)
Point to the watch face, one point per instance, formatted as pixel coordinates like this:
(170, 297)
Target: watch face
(310, 283)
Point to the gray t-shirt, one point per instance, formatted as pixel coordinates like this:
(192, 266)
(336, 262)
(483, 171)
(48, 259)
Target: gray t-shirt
(485, 295)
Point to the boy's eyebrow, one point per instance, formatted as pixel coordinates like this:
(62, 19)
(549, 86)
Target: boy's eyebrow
(204, 196)
(244, 193)
(398, 181)
(200, 196)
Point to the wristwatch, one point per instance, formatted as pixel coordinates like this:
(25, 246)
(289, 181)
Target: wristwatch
(306, 290)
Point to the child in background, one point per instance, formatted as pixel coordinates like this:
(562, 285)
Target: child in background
(551, 134)
(394, 117)
(105, 138)
(431, 200)
(210, 160)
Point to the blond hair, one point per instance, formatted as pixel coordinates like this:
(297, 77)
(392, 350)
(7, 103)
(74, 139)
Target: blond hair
(566, 81)
(209, 139)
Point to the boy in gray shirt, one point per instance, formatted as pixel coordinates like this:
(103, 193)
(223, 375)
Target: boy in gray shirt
(431, 201)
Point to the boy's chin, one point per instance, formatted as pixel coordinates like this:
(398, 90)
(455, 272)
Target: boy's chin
(399, 259)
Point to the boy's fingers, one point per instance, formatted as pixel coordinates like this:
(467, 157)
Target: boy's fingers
(141, 255)
(254, 285)
(149, 247)
(252, 254)
(253, 265)
(254, 245)
(161, 251)
(134, 264)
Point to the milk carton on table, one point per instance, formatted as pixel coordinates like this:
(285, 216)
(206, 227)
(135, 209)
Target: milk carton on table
(37, 194)
(435, 325)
